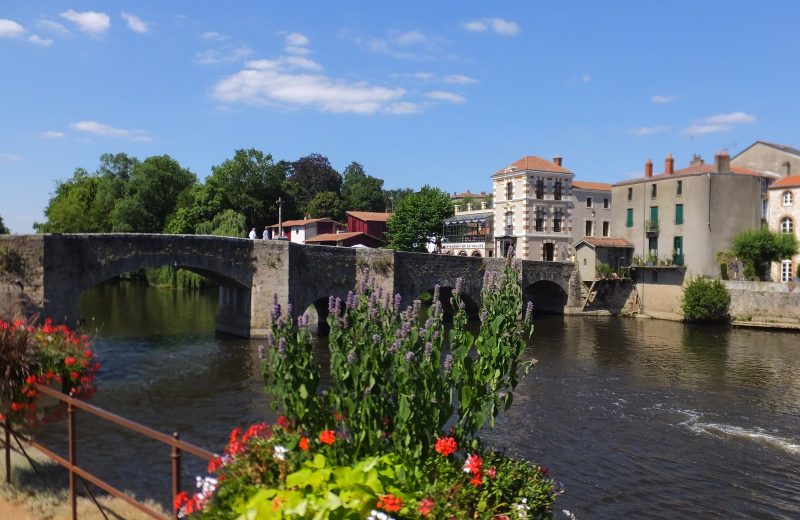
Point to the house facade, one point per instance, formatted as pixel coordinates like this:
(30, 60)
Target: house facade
(685, 217)
(298, 231)
(590, 252)
(591, 214)
(784, 217)
(762, 156)
(371, 223)
(533, 204)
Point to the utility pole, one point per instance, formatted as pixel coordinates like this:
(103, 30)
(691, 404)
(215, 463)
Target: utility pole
(280, 217)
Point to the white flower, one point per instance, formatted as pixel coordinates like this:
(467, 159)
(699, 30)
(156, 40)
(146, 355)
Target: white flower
(378, 515)
(279, 452)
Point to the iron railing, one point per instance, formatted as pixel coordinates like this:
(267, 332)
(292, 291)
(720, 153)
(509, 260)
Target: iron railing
(76, 473)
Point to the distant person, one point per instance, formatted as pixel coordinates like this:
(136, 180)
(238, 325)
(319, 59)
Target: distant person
(253, 234)
(265, 236)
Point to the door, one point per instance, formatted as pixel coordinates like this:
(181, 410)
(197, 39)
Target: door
(547, 252)
(677, 251)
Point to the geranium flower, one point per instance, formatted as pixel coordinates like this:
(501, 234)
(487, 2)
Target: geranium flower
(303, 444)
(390, 503)
(425, 506)
(473, 465)
(445, 446)
(327, 437)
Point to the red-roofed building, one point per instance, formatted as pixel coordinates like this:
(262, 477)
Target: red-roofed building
(299, 231)
(591, 214)
(346, 239)
(590, 252)
(784, 217)
(371, 223)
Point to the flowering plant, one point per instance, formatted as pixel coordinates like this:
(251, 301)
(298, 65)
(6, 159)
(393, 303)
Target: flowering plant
(45, 354)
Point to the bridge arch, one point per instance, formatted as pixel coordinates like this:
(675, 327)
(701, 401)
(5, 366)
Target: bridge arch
(548, 297)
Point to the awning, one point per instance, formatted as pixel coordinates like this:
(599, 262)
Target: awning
(469, 217)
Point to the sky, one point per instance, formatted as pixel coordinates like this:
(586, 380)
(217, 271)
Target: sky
(443, 93)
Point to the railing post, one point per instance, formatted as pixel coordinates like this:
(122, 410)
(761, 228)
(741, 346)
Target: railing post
(176, 473)
(7, 426)
(73, 498)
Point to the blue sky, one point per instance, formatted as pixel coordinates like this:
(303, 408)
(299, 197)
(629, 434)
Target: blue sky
(443, 93)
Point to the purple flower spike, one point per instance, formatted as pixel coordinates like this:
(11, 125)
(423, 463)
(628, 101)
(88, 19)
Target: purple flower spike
(351, 357)
(282, 346)
(448, 363)
(457, 288)
(529, 311)
(262, 352)
(436, 289)
(409, 356)
(428, 348)
(351, 299)
(376, 339)
(397, 301)
(270, 338)
(331, 304)
(395, 346)
(437, 309)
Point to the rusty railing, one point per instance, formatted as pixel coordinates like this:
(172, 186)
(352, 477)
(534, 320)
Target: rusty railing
(76, 473)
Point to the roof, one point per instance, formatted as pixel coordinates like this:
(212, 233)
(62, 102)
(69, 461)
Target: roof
(336, 237)
(292, 223)
(469, 217)
(468, 195)
(375, 216)
(606, 242)
(781, 147)
(695, 169)
(792, 181)
(583, 185)
(532, 162)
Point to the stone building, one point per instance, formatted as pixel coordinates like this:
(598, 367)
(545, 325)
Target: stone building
(533, 209)
(784, 217)
(591, 214)
(762, 156)
(684, 217)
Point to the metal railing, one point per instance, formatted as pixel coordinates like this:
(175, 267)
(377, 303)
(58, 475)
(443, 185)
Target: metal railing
(651, 226)
(76, 473)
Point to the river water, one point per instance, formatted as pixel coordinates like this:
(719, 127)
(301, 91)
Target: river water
(635, 418)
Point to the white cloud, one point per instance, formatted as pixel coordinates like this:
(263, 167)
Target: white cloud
(459, 79)
(586, 78)
(214, 36)
(663, 100)
(648, 130)
(496, 25)
(10, 29)
(93, 127)
(409, 38)
(302, 63)
(402, 108)
(9, 157)
(135, 23)
(228, 54)
(51, 134)
(295, 39)
(53, 27)
(718, 123)
(441, 95)
(38, 40)
(90, 22)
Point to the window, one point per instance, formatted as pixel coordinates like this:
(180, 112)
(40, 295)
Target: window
(588, 202)
(677, 250)
(629, 218)
(787, 198)
(653, 191)
(606, 228)
(652, 248)
(630, 193)
(786, 270)
(605, 204)
(539, 189)
(589, 228)
(557, 190)
(538, 223)
(787, 226)
(679, 213)
(679, 188)
(509, 190)
(509, 223)
(557, 220)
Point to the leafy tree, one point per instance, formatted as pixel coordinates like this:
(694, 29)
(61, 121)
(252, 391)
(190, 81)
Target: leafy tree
(3, 229)
(705, 300)
(131, 215)
(314, 174)
(228, 223)
(361, 192)
(70, 209)
(418, 219)
(326, 204)
(250, 183)
(391, 198)
(756, 249)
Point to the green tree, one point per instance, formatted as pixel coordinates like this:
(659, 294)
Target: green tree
(227, 223)
(3, 229)
(756, 249)
(391, 198)
(326, 204)
(418, 219)
(361, 192)
(705, 300)
(250, 184)
(70, 208)
(314, 174)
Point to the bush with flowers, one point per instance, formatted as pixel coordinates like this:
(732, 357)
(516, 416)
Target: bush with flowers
(396, 432)
(45, 354)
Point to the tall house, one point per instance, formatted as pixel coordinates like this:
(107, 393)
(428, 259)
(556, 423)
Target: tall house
(591, 215)
(684, 217)
(777, 159)
(469, 231)
(533, 209)
(784, 217)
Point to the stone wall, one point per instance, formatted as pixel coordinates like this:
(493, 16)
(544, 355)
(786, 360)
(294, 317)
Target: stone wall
(765, 302)
(21, 275)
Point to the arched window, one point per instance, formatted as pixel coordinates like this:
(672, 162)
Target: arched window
(462, 253)
(787, 198)
(509, 190)
(787, 226)
(476, 253)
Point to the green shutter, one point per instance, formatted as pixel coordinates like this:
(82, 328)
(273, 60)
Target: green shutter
(679, 213)
(629, 219)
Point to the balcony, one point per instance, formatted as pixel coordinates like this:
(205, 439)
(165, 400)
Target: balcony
(651, 227)
(463, 239)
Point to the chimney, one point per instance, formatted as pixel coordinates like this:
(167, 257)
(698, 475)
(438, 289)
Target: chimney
(787, 168)
(723, 162)
(696, 159)
(669, 165)
(648, 168)
(557, 160)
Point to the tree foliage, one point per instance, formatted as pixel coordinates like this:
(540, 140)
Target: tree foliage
(361, 192)
(3, 229)
(418, 219)
(314, 174)
(326, 204)
(393, 197)
(227, 224)
(705, 300)
(756, 249)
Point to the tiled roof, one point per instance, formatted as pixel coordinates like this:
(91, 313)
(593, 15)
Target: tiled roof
(292, 223)
(792, 181)
(335, 237)
(583, 185)
(373, 216)
(606, 242)
(532, 162)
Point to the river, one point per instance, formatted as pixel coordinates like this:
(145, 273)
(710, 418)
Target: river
(635, 418)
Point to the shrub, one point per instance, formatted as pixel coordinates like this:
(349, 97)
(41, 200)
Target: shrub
(756, 249)
(705, 300)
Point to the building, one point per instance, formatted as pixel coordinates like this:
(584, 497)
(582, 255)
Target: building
(298, 231)
(784, 216)
(685, 217)
(533, 209)
(346, 239)
(469, 201)
(371, 223)
(468, 233)
(778, 159)
(590, 252)
(591, 214)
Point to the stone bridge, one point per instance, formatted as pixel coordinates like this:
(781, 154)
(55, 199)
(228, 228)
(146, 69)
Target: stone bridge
(45, 274)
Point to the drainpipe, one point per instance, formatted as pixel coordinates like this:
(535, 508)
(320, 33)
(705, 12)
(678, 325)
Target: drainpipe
(708, 176)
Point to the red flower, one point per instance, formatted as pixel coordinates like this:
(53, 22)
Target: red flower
(492, 472)
(283, 421)
(214, 464)
(30, 380)
(425, 506)
(473, 465)
(445, 446)
(303, 444)
(327, 437)
(70, 361)
(180, 499)
(476, 481)
(15, 407)
(75, 375)
(390, 503)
